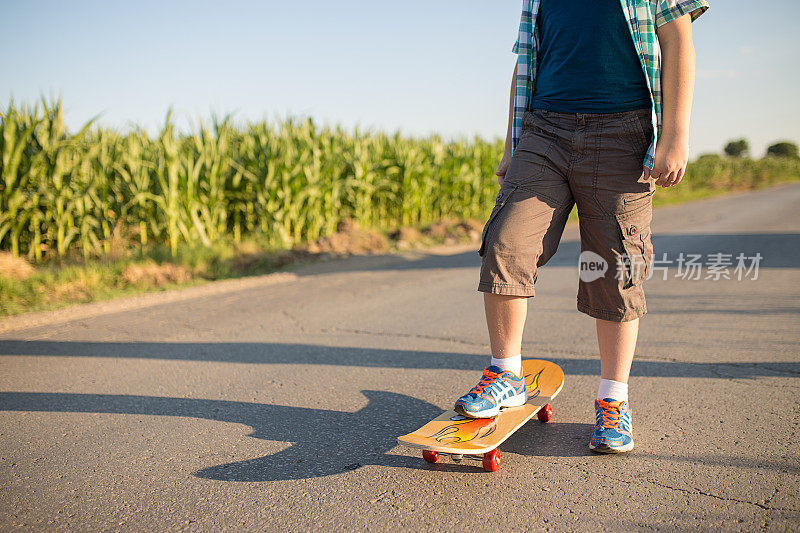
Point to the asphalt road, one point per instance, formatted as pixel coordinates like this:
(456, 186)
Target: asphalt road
(276, 405)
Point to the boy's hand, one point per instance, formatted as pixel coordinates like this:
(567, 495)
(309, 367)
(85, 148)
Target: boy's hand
(672, 156)
(503, 167)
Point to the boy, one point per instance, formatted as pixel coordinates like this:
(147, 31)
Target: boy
(585, 127)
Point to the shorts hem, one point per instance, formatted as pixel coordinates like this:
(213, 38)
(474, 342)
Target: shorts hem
(612, 316)
(506, 289)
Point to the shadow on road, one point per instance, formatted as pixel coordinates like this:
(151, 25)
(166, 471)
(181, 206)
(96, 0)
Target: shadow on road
(556, 439)
(323, 442)
(290, 353)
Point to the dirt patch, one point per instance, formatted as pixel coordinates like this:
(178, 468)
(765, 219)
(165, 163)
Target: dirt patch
(352, 239)
(119, 244)
(452, 231)
(152, 274)
(407, 237)
(72, 291)
(473, 227)
(14, 267)
(256, 262)
(349, 239)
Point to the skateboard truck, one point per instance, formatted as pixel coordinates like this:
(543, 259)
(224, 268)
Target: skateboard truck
(490, 460)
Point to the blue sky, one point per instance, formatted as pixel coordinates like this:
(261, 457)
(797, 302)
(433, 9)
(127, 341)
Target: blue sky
(415, 66)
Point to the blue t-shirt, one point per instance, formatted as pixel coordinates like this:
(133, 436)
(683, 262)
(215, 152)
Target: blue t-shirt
(587, 62)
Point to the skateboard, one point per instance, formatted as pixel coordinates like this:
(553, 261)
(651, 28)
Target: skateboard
(478, 438)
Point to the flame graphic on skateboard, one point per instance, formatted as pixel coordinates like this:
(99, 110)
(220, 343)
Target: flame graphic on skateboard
(532, 386)
(465, 430)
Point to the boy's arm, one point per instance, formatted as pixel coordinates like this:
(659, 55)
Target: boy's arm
(677, 86)
(501, 169)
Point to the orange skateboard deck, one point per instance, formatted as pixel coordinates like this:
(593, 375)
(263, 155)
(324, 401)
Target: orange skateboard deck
(459, 436)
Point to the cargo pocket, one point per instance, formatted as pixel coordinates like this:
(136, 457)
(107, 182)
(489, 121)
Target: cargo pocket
(500, 202)
(634, 267)
(641, 198)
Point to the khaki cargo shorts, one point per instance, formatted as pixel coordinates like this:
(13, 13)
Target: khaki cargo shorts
(594, 161)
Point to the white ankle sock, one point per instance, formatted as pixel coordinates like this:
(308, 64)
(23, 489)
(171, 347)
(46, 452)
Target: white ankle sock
(512, 364)
(612, 389)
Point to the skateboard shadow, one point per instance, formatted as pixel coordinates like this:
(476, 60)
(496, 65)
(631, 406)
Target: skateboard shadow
(555, 439)
(323, 442)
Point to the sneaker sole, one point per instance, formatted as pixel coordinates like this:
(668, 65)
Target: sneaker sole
(605, 448)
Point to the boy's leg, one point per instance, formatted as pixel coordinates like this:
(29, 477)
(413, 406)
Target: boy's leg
(522, 233)
(617, 342)
(613, 432)
(614, 201)
(505, 318)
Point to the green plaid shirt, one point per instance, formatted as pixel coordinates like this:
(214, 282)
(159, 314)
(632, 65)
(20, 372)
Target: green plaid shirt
(643, 17)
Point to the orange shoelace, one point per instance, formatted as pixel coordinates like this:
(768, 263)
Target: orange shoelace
(610, 415)
(486, 380)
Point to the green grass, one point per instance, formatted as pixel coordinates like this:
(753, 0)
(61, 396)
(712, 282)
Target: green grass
(74, 280)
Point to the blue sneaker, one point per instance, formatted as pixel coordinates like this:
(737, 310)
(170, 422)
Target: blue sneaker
(613, 429)
(496, 389)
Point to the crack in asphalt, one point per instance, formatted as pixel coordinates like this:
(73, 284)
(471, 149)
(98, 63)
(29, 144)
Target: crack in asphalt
(294, 320)
(695, 491)
(768, 500)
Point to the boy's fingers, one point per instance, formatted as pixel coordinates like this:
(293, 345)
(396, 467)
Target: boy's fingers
(500, 173)
(646, 173)
(679, 175)
(501, 170)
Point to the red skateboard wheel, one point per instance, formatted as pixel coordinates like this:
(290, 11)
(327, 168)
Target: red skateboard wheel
(430, 456)
(491, 461)
(545, 413)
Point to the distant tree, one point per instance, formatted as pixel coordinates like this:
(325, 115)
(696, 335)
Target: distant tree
(738, 148)
(783, 149)
(709, 157)
(707, 162)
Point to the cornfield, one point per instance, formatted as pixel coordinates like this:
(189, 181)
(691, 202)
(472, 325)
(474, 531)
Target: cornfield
(288, 183)
(285, 183)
